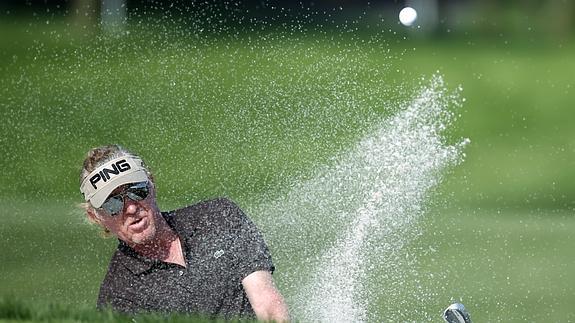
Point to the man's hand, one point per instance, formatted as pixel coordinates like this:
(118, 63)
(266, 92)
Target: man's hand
(266, 300)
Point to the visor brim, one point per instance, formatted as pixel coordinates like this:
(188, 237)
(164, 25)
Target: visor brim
(102, 194)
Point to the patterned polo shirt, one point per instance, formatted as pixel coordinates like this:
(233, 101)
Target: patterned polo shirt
(221, 247)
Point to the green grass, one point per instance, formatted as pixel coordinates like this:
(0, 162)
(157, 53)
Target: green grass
(17, 310)
(516, 114)
(246, 117)
(234, 112)
(50, 252)
(504, 265)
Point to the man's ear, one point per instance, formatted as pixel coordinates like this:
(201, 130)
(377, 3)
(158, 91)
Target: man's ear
(92, 215)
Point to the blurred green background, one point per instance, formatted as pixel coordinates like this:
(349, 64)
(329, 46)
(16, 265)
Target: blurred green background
(242, 100)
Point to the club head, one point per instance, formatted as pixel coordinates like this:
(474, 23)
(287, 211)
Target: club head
(456, 313)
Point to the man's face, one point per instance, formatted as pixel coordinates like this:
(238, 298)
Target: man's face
(137, 222)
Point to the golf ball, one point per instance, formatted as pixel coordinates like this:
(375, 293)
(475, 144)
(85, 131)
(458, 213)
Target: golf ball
(407, 16)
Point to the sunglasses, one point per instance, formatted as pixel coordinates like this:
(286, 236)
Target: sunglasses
(135, 192)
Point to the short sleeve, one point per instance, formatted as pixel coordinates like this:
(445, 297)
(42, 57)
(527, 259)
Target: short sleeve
(249, 248)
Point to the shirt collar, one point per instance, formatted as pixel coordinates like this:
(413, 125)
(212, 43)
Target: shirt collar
(137, 263)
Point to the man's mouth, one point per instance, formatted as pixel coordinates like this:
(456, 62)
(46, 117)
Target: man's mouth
(138, 224)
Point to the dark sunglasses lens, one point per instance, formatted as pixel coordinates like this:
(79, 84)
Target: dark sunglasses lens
(113, 205)
(137, 193)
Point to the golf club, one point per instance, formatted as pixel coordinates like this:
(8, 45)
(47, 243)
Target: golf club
(456, 313)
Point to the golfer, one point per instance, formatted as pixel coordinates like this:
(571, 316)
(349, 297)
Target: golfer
(207, 259)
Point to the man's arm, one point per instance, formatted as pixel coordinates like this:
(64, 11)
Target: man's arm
(266, 300)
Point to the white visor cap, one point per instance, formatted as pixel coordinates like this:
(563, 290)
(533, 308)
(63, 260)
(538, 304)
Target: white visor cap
(97, 186)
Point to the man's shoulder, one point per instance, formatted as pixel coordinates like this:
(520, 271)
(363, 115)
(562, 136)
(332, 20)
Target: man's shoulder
(204, 207)
(207, 212)
(219, 202)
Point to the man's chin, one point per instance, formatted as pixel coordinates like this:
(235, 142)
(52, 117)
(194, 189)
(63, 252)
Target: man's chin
(144, 236)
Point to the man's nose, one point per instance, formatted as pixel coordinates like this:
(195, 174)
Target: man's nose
(130, 206)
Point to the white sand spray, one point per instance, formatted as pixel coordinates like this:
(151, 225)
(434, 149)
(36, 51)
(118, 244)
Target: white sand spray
(353, 219)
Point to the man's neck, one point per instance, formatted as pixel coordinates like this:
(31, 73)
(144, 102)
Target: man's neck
(165, 246)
